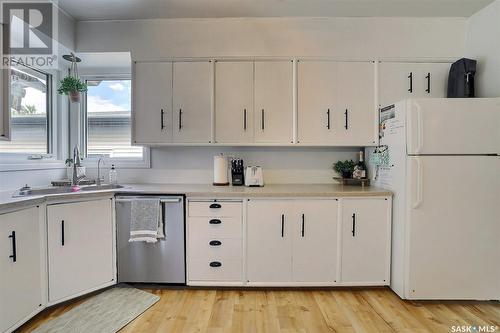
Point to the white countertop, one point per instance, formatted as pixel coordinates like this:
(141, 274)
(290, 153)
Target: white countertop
(207, 191)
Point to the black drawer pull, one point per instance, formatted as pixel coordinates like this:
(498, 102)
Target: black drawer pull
(162, 124)
(354, 225)
(215, 264)
(215, 243)
(215, 221)
(14, 247)
(215, 205)
(410, 77)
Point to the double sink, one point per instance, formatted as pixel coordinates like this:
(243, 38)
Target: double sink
(26, 192)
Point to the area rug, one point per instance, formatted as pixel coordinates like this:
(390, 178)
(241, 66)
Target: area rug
(106, 312)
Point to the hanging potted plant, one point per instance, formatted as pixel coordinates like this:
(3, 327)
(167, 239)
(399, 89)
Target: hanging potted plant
(73, 87)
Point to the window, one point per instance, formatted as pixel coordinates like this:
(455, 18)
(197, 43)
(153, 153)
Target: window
(30, 109)
(108, 131)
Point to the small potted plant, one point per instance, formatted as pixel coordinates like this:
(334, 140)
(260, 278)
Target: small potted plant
(344, 168)
(73, 87)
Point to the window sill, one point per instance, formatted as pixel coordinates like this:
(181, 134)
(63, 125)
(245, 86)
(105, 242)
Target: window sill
(91, 162)
(27, 165)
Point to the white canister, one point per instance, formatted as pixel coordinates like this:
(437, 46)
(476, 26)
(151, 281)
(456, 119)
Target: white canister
(221, 170)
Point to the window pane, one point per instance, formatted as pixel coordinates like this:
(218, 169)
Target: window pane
(28, 107)
(109, 119)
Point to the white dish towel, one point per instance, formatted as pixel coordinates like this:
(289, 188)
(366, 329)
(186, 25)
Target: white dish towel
(146, 223)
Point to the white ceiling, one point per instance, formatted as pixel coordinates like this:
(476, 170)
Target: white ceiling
(145, 9)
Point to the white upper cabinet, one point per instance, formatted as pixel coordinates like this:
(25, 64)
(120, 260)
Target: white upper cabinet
(317, 95)
(234, 102)
(336, 103)
(192, 92)
(273, 102)
(20, 266)
(366, 229)
(355, 122)
(152, 103)
(401, 80)
(80, 247)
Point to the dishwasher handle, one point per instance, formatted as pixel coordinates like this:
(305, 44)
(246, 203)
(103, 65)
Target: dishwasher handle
(162, 200)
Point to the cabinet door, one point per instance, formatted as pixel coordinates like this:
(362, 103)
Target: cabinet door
(315, 241)
(80, 247)
(274, 101)
(398, 81)
(317, 93)
(20, 279)
(192, 87)
(434, 78)
(152, 107)
(365, 240)
(234, 102)
(355, 121)
(269, 241)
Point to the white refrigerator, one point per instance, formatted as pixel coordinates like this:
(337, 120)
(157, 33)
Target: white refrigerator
(443, 166)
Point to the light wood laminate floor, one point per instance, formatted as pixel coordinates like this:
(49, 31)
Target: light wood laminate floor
(302, 310)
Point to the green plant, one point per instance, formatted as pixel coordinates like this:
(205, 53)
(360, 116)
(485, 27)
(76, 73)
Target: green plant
(71, 84)
(342, 167)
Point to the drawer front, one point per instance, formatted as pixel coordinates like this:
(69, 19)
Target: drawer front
(223, 248)
(220, 227)
(220, 270)
(215, 209)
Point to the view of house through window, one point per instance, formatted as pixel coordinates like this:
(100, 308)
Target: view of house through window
(30, 109)
(109, 119)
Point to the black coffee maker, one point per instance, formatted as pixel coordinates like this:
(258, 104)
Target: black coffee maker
(237, 172)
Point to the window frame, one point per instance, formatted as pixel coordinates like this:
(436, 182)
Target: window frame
(36, 161)
(132, 163)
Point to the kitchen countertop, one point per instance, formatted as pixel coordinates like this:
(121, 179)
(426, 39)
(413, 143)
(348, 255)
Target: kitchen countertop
(205, 191)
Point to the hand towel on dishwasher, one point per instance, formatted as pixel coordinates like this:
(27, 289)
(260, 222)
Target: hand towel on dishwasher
(146, 223)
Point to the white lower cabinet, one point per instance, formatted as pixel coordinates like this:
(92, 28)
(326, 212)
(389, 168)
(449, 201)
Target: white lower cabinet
(214, 242)
(21, 274)
(366, 230)
(292, 241)
(80, 247)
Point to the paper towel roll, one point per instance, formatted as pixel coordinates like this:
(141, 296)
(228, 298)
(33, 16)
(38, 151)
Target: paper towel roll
(220, 170)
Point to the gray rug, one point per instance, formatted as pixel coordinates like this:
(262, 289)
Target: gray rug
(106, 312)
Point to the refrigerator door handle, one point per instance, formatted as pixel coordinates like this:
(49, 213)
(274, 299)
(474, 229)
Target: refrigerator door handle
(419, 183)
(420, 136)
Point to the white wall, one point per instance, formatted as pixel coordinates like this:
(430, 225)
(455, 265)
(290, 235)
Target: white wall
(354, 38)
(483, 44)
(350, 38)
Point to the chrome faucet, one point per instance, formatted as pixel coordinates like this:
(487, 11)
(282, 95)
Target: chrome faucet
(98, 180)
(76, 163)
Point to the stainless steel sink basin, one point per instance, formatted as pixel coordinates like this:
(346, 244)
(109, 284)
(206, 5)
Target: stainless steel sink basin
(63, 189)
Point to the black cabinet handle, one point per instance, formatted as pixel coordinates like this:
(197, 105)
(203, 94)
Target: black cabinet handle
(162, 113)
(410, 77)
(215, 264)
(263, 120)
(346, 113)
(282, 225)
(215, 205)
(215, 221)
(215, 243)
(428, 77)
(303, 224)
(245, 119)
(14, 247)
(354, 225)
(62, 233)
(328, 119)
(180, 119)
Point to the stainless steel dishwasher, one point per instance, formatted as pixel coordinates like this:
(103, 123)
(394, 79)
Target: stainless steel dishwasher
(160, 262)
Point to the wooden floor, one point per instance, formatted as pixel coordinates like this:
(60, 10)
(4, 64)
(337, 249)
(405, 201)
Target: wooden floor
(337, 310)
